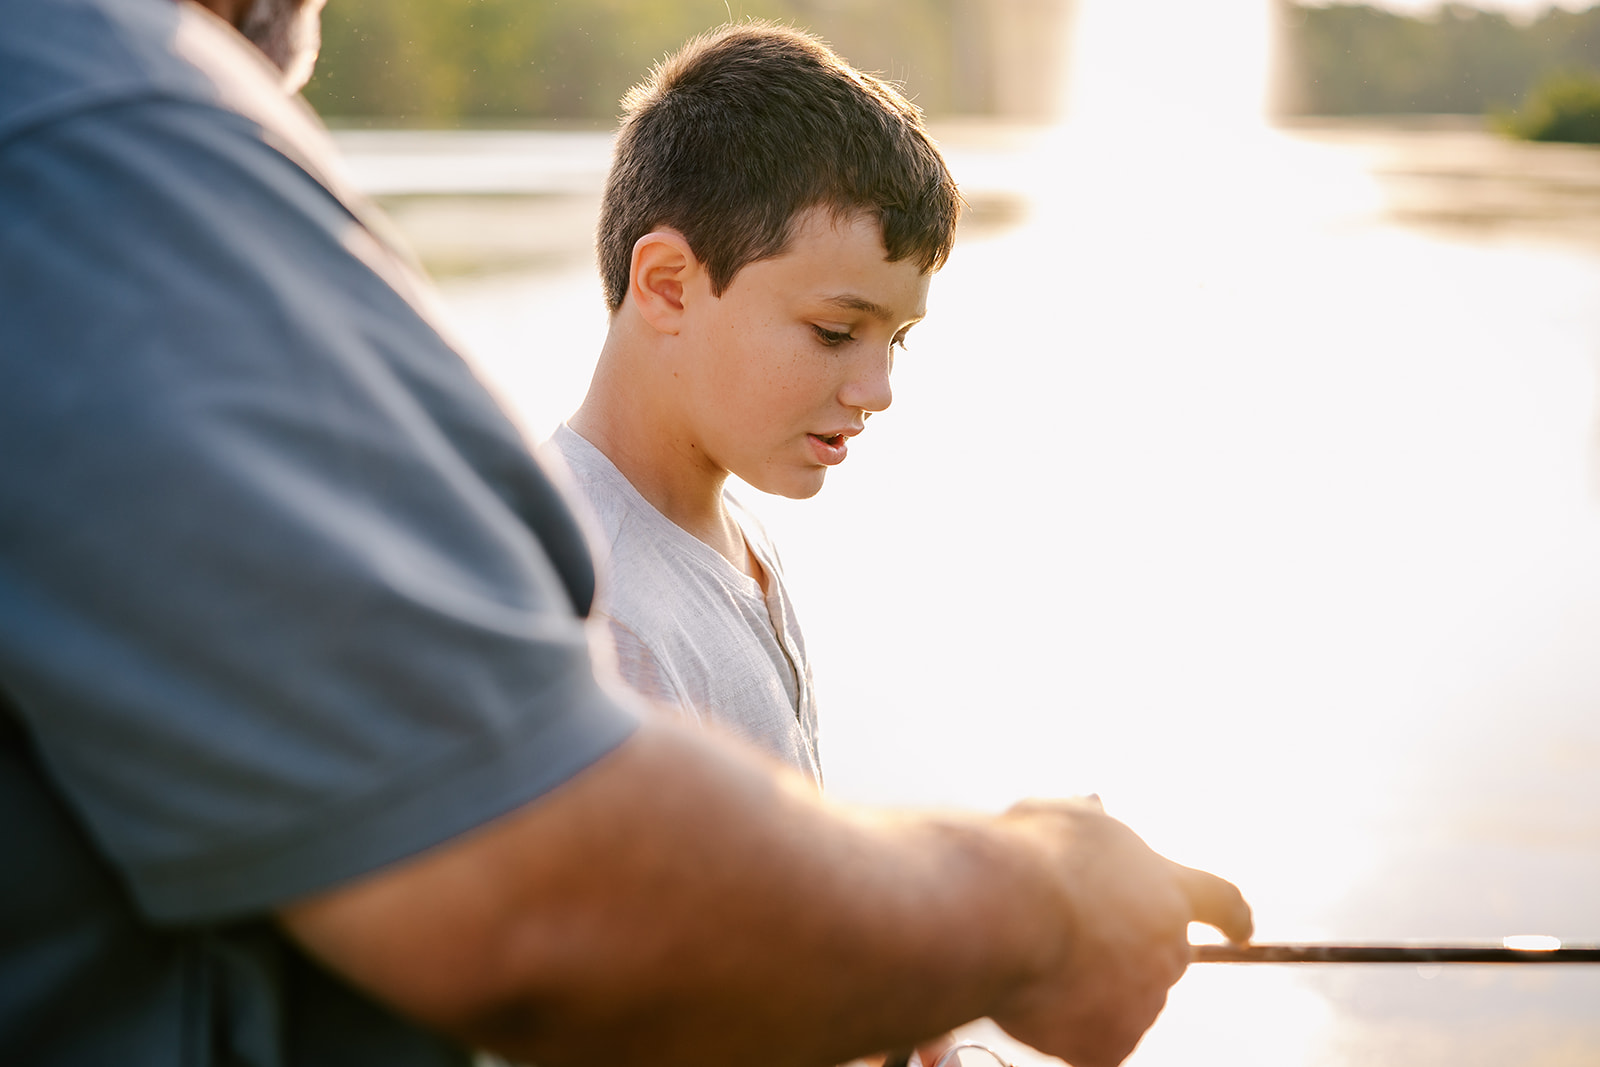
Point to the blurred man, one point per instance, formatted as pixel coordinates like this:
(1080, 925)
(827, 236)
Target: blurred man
(302, 754)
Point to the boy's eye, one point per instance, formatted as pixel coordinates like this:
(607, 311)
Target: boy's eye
(900, 340)
(832, 337)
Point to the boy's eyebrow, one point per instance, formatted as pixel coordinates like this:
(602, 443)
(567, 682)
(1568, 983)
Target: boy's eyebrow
(851, 302)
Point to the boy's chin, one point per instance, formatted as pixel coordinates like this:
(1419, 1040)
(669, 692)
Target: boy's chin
(792, 487)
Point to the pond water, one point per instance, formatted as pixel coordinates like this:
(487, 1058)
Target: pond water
(1245, 478)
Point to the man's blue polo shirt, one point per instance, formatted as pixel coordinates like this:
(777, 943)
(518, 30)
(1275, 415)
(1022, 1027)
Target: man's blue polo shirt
(283, 597)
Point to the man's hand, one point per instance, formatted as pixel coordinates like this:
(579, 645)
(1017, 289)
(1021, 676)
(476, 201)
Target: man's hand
(1126, 938)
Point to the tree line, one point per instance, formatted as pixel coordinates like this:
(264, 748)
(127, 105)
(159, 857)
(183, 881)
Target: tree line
(454, 62)
(510, 61)
(1356, 59)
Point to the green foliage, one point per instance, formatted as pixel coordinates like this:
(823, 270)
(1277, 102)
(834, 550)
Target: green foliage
(437, 62)
(1357, 59)
(1563, 107)
(431, 62)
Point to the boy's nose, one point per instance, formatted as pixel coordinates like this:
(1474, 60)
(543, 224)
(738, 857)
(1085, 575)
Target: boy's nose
(868, 389)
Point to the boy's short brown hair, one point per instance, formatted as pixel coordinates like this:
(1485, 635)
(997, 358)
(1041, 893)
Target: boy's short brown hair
(745, 127)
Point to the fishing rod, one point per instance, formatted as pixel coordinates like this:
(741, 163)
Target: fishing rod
(1522, 949)
(1512, 950)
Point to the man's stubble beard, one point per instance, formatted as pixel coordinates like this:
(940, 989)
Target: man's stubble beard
(289, 33)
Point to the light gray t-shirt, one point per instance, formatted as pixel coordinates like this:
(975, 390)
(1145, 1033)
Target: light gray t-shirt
(691, 630)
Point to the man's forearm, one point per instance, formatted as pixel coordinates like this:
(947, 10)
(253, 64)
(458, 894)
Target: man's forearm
(679, 903)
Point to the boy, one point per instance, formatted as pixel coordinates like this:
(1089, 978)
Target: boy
(768, 230)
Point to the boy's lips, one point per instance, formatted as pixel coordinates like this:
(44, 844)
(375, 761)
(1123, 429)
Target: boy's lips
(831, 449)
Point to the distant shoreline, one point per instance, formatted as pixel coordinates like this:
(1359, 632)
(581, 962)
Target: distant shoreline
(492, 201)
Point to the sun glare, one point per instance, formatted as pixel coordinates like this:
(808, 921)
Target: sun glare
(1207, 64)
(1533, 942)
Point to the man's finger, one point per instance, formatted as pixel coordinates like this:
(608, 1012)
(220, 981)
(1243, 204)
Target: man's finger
(1216, 902)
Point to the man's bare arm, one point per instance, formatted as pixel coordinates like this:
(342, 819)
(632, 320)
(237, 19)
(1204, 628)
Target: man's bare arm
(678, 903)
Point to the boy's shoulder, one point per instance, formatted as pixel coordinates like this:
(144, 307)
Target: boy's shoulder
(636, 540)
(582, 469)
(622, 525)
(634, 536)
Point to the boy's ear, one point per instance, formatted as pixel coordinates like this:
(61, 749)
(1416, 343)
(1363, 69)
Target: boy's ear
(662, 268)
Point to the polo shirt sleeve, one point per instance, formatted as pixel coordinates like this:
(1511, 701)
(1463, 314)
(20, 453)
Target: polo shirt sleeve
(283, 596)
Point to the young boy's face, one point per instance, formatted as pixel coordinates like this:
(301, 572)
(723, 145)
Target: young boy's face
(786, 365)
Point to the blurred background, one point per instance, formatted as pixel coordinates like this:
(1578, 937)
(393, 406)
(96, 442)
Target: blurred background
(1244, 472)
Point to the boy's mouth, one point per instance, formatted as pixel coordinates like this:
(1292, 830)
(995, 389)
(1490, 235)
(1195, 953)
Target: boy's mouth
(830, 449)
